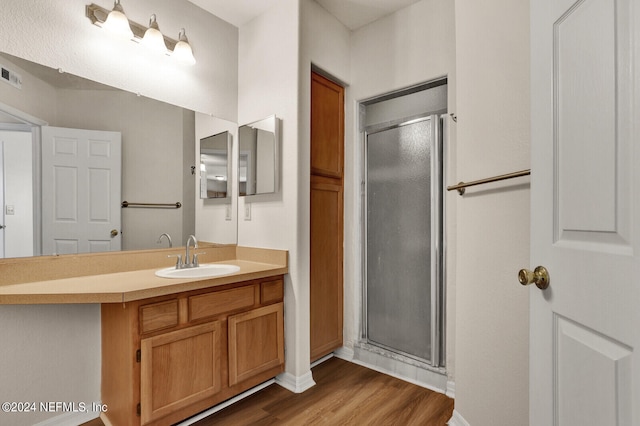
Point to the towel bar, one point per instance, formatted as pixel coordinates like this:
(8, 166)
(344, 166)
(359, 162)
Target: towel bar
(462, 185)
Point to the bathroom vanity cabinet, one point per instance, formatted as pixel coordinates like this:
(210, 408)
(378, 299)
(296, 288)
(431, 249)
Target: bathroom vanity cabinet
(167, 358)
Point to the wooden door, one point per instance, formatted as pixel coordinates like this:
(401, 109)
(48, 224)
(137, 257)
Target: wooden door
(178, 369)
(327, 215)
(585, 327)
(81, 186)
(256, 342)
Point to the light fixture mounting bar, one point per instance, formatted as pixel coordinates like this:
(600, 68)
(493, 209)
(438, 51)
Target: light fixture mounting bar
(98, 14)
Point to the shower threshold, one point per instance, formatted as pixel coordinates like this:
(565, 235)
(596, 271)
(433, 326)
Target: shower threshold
(396, 355)
(402, 367)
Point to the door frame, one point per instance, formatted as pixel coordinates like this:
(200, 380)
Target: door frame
(30, 124)
(361, 208)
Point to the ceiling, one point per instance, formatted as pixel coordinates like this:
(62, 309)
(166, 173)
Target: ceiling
(352, 13)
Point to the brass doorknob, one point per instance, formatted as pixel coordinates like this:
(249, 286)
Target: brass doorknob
(539, 277)
(114, 232)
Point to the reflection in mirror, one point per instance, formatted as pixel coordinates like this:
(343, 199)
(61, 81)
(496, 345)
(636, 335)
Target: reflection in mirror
(215, 167)
(258, 157)
(158, 153)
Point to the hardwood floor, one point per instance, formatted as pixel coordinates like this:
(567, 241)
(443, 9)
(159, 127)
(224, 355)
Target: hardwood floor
(345, 394)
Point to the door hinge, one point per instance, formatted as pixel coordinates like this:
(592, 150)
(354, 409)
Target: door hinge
(138, 355)
(138, 410)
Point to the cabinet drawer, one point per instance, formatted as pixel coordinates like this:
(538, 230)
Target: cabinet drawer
(271, 291)
(157, 316)
(215, 303)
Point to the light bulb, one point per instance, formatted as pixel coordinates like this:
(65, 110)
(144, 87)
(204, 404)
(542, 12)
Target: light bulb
(182, 52)
(117, 21)
(153, 38)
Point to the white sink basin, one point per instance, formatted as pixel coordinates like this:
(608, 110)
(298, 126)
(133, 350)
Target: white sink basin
(202, 271)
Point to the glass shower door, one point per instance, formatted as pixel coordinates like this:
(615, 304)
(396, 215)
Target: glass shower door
(403, 181)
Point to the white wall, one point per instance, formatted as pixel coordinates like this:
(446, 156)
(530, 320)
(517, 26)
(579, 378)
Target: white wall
(49, 353)
(412, 46)
(267, 85)
(61, 36)
(36, 97)
(492, 324)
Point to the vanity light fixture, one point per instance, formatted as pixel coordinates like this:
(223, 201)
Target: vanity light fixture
(179, 49)
(117, 21)
(182, 52)
(153, 38)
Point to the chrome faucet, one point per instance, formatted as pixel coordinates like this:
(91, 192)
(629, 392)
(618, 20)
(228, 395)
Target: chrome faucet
(168, 239)
(191, 262)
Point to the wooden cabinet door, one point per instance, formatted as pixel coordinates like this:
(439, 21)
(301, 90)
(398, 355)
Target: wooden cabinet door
(256, 342)
(327, 127)
(178, 369)
(326, 268)
(327, 223)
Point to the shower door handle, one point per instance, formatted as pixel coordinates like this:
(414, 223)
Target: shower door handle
(539, 277)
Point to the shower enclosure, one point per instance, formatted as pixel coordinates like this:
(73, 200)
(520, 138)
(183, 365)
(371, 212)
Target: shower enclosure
(403, 253)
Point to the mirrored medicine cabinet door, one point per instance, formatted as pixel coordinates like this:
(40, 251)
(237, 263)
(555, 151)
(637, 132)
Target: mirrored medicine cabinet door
(215, 166)
(258, 157)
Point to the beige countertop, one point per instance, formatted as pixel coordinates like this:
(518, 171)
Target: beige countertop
(119, 287)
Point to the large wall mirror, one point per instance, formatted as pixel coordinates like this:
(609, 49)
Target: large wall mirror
(158, 160)
(258, 157)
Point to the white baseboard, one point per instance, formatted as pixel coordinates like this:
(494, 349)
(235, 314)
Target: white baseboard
(344, 353)
(321, 360)
(223, 405)
(296, 384)
(457, 420)
(451, 389)
(288, 381)
(67, 419)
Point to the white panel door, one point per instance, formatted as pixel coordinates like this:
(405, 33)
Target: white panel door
(585, 194)
(81, 187)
